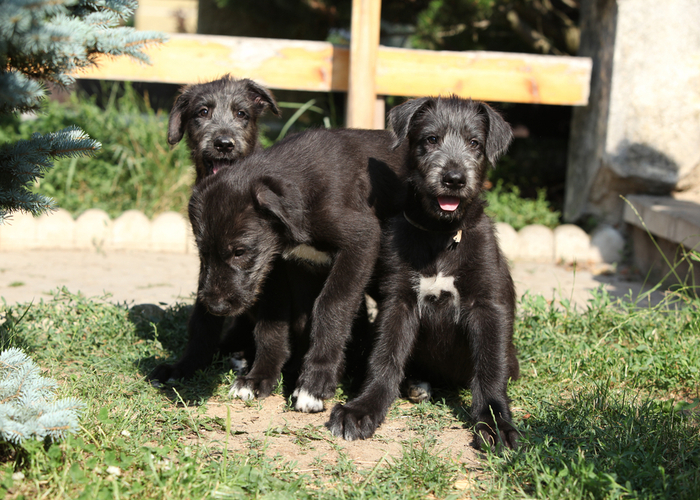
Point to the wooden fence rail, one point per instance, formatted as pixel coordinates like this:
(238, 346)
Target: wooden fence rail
(321, 66)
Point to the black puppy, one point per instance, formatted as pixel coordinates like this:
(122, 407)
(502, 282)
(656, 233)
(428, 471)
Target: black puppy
(221, 121)
(447, 301)
(314, 200)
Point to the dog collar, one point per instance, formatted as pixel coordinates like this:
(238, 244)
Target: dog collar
(457, 237)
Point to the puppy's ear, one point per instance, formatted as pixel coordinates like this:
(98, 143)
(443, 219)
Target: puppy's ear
(262, 97)
(500, 134)
(176, 125)
(400, 117)
(284, 201)
(194, 210)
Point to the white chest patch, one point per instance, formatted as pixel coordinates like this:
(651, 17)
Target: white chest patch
(307, 253)
(433, 286)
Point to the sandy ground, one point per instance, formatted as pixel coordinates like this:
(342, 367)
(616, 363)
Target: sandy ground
(158, 278)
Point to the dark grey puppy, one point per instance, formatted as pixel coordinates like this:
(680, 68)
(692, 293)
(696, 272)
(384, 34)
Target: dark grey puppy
(220, 119)
(315, 201)
(447, 301)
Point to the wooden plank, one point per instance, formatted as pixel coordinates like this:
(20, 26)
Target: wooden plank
(488, 76)
(320, 66)
(280, 64)
(364, 41)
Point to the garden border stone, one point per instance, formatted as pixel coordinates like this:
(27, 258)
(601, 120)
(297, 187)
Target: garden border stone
(170, 232)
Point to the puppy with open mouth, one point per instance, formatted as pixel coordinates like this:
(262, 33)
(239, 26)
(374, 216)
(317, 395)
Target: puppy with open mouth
(447, 300)
(220, 120)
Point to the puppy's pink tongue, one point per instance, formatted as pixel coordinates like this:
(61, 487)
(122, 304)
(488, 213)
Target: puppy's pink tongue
(448, 203)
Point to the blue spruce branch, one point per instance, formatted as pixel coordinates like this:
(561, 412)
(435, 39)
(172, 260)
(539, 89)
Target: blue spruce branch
(26, 160)
(52, 40)
(28, 408)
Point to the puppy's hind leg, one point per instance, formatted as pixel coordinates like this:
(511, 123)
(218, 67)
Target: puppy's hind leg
(417, 390)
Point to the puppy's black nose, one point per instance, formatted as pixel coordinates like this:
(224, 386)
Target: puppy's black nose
(454, 179)
(218, 308)
(224, 144)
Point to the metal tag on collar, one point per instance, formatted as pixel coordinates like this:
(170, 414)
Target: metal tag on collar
(457, 237)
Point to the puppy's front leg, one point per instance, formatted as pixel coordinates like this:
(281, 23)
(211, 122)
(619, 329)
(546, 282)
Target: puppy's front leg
(398, 325)
(334, 311)
(272, 351)
(271, 334)
(490, 330)
(204, 332)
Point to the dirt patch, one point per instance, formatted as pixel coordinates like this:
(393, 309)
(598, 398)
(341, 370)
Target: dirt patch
(279, 432)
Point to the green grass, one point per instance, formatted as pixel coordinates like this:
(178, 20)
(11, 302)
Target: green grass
(611, 399)
(607, 406)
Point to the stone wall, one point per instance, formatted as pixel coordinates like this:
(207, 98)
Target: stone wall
(640, 132)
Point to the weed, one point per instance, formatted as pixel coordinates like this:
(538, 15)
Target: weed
(507, 205)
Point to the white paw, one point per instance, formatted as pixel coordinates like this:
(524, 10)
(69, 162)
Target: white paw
(241, 393)
(306, 403)
(418, 391)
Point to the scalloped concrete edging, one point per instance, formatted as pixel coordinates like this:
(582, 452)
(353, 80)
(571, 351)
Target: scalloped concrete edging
(170, 232)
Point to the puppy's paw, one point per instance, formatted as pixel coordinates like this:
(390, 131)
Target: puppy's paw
(164, 373)
(247, 388)
(160, 374)
(305, 402)
(317, 382)
(238, 363)
(352, 423)
(418, 391)
(500, 432)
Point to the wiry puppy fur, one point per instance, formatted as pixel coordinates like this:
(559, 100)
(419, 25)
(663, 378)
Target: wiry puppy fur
(220, 119)
(314, 201)
(447, 300)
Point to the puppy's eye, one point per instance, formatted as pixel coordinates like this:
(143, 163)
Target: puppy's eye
(242, 114)
(203, 112)
(239, 252)
(474, 143)
(432, 139)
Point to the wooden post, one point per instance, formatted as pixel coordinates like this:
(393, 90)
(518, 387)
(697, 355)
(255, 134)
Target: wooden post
(363, 63)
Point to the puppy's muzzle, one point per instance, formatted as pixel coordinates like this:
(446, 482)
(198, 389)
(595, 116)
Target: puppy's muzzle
(220, 307)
